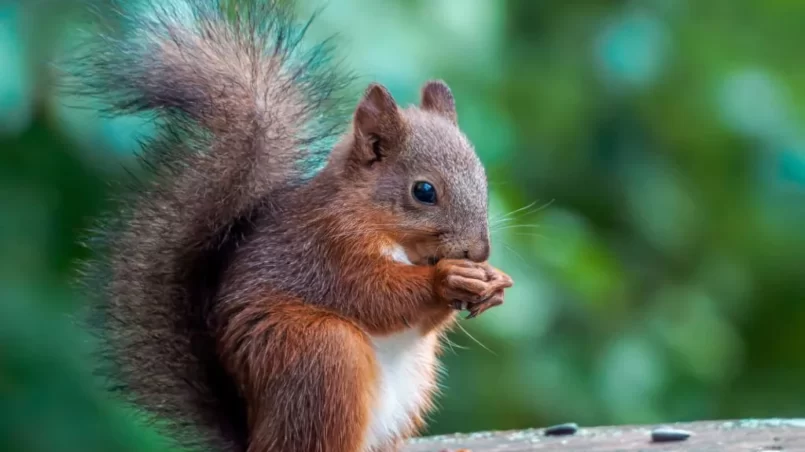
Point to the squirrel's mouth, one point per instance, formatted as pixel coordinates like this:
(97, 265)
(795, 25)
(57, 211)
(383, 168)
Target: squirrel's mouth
(426, 261)
(422, 253)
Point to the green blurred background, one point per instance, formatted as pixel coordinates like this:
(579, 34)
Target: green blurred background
(656, 149)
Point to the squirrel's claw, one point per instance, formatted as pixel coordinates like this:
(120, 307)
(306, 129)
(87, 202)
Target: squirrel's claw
(478, 308)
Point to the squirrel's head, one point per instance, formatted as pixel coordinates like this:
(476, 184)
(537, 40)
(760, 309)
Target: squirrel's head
(419, 174)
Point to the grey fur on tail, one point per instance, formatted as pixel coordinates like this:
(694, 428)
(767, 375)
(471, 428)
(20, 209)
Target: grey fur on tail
(242, 110)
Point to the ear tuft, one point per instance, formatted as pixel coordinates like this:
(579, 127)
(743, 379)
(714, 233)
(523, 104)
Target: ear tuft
(377, 124)
(437, 98)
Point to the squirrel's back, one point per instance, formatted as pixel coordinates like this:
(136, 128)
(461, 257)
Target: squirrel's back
(243, 112)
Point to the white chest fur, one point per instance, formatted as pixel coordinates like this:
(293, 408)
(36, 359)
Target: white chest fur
(406, 369)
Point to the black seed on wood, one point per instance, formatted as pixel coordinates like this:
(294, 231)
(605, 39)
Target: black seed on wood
(664, 435)
(562, 429)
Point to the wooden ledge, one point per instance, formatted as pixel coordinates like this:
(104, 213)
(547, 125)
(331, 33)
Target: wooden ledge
(755, 435)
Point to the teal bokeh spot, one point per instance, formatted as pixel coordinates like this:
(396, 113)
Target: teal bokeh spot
(15, 78)
(633, 48)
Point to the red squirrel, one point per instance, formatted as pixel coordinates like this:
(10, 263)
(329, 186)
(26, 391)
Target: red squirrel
(252, 299)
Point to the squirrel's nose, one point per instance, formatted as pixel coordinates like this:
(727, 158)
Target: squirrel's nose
(478, 252)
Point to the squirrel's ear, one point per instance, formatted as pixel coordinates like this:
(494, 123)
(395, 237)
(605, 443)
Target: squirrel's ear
(378, 125)
(437, 98)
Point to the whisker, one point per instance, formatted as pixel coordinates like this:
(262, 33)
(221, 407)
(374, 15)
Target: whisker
(475, 340)
(517, 226)
(523, 211)
(500, 221)
(545, 206)
(514, 212)
(519, 256)
(452, 345)
(531, 235)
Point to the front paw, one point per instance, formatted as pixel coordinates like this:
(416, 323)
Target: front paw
(499, 280)
(469, 285)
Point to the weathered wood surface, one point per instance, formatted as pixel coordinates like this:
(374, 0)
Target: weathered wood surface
(734, 436)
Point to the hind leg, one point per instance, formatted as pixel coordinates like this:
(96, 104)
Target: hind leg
(306, 374)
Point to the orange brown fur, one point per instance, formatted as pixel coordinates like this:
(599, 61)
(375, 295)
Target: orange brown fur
(307, 372)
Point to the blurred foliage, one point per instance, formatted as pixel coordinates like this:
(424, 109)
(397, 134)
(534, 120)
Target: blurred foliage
(647, 168)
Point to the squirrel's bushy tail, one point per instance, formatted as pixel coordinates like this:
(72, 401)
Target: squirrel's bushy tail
(231, 71)
(241, 110)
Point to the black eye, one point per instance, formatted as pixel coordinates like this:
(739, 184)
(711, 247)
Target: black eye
(424, 192)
